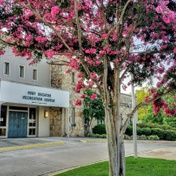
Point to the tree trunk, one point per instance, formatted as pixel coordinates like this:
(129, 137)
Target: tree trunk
(115, 146)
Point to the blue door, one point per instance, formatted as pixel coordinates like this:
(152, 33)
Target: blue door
(17, 124)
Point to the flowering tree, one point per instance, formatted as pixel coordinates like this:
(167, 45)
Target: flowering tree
(106, 41)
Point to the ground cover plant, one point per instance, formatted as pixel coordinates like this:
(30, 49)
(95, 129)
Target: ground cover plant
(135, 167)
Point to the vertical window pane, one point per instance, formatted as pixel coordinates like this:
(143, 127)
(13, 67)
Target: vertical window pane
(3, 132)
(32, 131)
(3, 116)
(32, 117)
(34, 74)
(21, 71)
(6, 68)
(73, 116)
(73, 78)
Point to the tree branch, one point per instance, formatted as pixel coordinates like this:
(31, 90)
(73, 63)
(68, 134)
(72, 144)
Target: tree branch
(120, 19)
(130, 116)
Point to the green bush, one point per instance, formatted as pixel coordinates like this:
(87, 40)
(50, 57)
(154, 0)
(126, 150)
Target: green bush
(99, 129)
(153, 137)
(129, 131)
(154, 125)
(146, 131)
(159, 132)
(143, 137)
(170, 135)
(97, 135)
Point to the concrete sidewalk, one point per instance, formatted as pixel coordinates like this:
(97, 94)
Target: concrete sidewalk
(163, 153)
(11, 144)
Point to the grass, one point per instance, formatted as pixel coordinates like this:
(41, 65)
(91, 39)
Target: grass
(134, 167)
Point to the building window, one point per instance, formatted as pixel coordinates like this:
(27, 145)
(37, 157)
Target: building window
(3, 116)
(34, 74)
(73, 117)
(6, 68)
(32, 122)
(21, 71)
(73, 78)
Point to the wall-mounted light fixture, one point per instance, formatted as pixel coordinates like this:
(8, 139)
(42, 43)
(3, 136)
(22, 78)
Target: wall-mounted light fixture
(46, 114)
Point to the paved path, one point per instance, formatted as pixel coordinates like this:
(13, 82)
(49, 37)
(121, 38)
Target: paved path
(46, 160)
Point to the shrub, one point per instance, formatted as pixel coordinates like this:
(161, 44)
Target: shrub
(143, 137)
(170, 135)
(153, 137)
(99, 129)
(129, 131)
(146, 131)
(159, 132)
(154, 125)
(97, 135)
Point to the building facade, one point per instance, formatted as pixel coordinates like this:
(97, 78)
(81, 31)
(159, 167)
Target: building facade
(28, 103)
(39, 100)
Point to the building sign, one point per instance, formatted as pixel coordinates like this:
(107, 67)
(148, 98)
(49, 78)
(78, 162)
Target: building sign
(32, 95)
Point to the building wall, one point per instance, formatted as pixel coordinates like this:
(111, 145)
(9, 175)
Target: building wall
(43, 123)
(43, 70)
(66, 81)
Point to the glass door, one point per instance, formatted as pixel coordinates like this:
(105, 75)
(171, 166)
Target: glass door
(3, 121)
(32, 122)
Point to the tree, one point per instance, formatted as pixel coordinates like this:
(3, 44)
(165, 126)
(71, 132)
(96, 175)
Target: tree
(161, 117)
(141, 94)
(93, 107)
(106, 41)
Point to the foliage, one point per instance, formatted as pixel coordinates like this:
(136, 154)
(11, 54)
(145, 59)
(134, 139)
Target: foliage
(141, 95)
(153, 137)
(97, 135)
(135, 167)
(163, 134)
(99, 129)
(161, 117)
(93, 108)
(154, 125)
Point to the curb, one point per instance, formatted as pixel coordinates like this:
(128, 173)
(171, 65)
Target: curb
(127, 141)
(30, 146)
(76, 167)
(93, 140)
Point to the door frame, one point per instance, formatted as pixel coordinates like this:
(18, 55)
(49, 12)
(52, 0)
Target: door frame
(28, 107)
(26, 135)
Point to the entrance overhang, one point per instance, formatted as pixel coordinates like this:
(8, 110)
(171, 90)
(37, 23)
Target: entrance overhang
(11, 92)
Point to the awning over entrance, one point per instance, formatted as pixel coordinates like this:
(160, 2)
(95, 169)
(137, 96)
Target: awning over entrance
(11, 92)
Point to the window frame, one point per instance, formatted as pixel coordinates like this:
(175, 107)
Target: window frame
(34, 77)
(6, 70)
(22, 66)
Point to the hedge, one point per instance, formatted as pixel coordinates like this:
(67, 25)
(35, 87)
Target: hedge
(99, 129)
(169, 135)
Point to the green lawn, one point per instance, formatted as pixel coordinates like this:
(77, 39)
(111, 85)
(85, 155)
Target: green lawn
(135, 167)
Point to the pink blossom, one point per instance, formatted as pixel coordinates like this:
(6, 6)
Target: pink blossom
(49, 53)
(54, 11)
(104, 36)
(174, 50)
(159, 9)
(78, 102)
(80, 75)
(93, 76)
(83, 96)
(93, 97)
(2, 52)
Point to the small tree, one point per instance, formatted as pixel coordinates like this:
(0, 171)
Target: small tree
(106, 41)
(93, 108)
